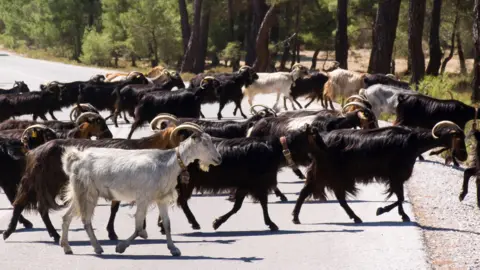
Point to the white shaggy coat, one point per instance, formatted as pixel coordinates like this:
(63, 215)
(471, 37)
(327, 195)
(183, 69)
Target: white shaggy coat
(144, 176)
(383, 98)
(268, 83)
(344, 83)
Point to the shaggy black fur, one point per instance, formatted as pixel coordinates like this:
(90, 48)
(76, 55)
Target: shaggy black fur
(372, 79)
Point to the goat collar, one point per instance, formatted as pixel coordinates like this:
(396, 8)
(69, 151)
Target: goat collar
(184, 175)
(287, 154)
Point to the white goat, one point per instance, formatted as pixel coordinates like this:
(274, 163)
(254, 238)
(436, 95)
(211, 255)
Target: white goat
(277, 82)
(383, 98)
(143, 176)
(344, 83)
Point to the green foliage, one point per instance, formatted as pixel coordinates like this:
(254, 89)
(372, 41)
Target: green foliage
(97, 49)
(440, 86)
(232, 52)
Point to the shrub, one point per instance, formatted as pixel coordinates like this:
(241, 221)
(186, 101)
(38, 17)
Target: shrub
(97, 48)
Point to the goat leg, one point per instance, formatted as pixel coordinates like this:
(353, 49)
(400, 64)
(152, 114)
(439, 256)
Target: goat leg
(306, 191)
(239, 197)
(421, 158)
(220, 108)
(51, 114)
(238, 103)
(110, 226)
(264, 203)
(279, 194)
(86, 209)
(10, 191)
(398, 190)
(182, 201)
(201, 114)
(469, 172)
(17, 211)
(343, 203)
(285, 103)
(298, 103)
(310, 102)
(67, 220)
(48, 224)
(166, 224)
(139, 231)
(125, 117)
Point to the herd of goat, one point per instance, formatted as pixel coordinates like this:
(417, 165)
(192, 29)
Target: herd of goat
(51, 165)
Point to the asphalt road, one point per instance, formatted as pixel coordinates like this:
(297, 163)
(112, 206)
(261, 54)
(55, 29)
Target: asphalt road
(327, 239)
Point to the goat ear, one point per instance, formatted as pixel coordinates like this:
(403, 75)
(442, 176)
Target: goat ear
(83, 126)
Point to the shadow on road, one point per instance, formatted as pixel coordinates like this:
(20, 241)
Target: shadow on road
(261, 233)
(292, 182)
(136, 242)
(460, 169)
(168, 257)
(330, 201)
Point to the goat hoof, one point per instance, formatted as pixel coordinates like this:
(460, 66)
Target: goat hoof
(143, 234)
(98, 251)
(273, 227)
(405, 218)
(217, 223)
(121, 247)
(6, 234)
(357, 220)
(68, 252)
(196, 226)
(283, 198)
(244, 116)
(462, 196)
(175, 252)
(112, 236)
(296, 221)
(162, 231)
(380, 211)
(231, 198)
(27, 224)
(56, 239)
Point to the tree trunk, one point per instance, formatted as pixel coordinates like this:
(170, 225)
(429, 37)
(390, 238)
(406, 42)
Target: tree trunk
(461, 56)
(259, 9)
(182, 6)
(192, 48)
(297, 29)
(341, 38)
(287, 45)
(261, 63)
(452, 45)
(384, 36)
(199, 65)
(314, 59)
(231, 20)
(434, 42)
(476, 41)
(134, 59)
(416, 16)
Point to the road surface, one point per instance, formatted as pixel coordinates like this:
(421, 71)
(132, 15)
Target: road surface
(327, 239)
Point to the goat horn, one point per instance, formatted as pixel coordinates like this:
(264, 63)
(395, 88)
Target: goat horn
(187, 125)
(443, 123)
(205, 81)
(356, 96)
(166, 72)
(83, 106)
(162, 116)
(354, 103)
(254, 112)
(36, 126)
(84, 115)
(244, 67)
(391, 76)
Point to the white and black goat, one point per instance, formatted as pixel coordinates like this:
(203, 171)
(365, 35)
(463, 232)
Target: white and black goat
(383, 98)
(279, 83)
(107, 173)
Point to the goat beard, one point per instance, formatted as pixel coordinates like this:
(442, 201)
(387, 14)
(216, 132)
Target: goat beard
(204, 167)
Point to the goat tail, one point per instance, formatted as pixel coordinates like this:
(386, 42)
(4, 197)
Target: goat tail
(70, 156)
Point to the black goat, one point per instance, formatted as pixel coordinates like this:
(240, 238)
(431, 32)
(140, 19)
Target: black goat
(12, 160)
(385, 155)
(310, 86)
(36, 103)
(18, 87)
(371, 79)
(102, 95)
(249, 167)
(129, 96)
(424, 111)
(221, 129)
(230, 89)
(181, 103)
